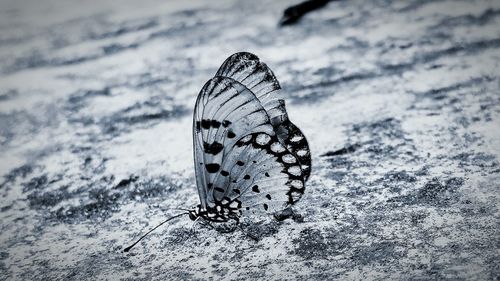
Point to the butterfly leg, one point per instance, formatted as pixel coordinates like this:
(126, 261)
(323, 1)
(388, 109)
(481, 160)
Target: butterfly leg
(206, 223)
(192, 231)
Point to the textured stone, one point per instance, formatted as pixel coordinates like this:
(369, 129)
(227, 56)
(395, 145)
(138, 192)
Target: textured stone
(399, 101)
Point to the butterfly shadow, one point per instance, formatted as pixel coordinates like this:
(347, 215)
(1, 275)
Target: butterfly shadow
(256, 231)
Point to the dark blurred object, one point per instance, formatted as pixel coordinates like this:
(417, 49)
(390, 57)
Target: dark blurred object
(293, 13)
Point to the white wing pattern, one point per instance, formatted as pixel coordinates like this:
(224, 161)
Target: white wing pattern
(248, 156)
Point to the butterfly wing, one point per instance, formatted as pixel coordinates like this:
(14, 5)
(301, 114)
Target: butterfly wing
(293, 138)
(239, 160)
(247, 69)
(267, 177)
(224, 112)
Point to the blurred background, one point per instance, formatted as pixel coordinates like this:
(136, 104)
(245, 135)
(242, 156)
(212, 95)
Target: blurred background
(399, 101)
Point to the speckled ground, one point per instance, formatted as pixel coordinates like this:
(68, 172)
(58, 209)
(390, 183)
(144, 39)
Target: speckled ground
(400, 102)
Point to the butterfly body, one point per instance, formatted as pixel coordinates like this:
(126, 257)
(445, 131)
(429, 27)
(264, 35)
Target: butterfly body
(248, 156)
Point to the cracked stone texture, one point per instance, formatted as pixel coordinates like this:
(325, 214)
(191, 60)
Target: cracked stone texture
(399, 101)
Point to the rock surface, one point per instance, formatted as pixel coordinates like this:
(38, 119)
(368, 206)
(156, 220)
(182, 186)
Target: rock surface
(399, 101)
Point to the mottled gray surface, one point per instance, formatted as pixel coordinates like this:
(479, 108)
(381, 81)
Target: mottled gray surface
(399, 100)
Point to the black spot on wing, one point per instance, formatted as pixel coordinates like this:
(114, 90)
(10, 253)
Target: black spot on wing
(213, 148)
(224, 173)
(212, 168)
(240, 163)
(215, 124)
(205, 124)
(209, 123)
(230, 134)
(226, 123)
(255, 188)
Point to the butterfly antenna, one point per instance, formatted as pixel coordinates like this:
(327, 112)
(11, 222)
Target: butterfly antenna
(146, 234)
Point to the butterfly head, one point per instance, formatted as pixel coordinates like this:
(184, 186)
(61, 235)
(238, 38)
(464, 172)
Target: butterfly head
(193, 214)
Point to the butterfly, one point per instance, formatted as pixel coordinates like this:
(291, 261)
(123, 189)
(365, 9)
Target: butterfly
(248, 155)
